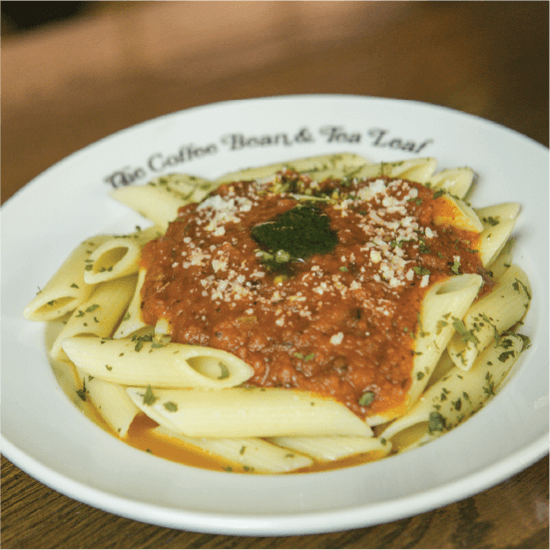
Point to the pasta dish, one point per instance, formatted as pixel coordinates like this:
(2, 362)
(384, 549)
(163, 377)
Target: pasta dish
(317, 313)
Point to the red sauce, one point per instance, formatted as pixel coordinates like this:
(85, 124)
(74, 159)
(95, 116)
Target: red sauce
(339, 323)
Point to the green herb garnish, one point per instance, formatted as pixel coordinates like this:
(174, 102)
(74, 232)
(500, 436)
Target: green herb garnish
(466, 335)
(295, 235)
(436, 422)
(366, 399)
(421, 270)
(224, 371)
(148, 397)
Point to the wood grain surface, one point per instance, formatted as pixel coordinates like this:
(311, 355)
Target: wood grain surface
(66, 85)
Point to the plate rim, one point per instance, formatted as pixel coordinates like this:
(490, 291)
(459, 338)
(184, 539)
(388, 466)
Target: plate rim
(290, 97)
(301, 523)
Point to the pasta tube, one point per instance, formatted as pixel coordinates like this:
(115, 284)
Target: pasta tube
(144, 361)
(66, 289)
(247, 412)
(158, 200)
(99, 315)
(458, 214)
(253, 454)
(502, 262)
(455, 397)
(444, 365)
(336, 447)
(455, 181)
(498, 213)
(490, 316)
(112, 403)
(419, 170)
(319, 168)
(498, 222)
(132, 322)
(192, 188)
(493, 239)
(443, 303)
(118, 257)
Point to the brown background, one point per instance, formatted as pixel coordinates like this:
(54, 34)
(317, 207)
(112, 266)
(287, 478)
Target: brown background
(66, 84)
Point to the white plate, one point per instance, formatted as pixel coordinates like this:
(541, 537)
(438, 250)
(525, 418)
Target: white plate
(45, 435)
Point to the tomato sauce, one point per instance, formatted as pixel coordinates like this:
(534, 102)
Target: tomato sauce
(333, 311)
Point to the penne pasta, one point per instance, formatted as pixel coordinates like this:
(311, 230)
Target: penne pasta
(444, 302)
(143, 360)
(67, 288)
(99, 315)
(455, 181)
(131, 321)
(455, 397)
(327, 449)
(118, 257)
(247, 412)
(252, 454)
(490, 316)
(493, 239)
(502, 262)
(498, 213)
(160, 199)
(443, 366)
(457, 213)
(320, 167)
(112, 403)
(419, 170)
(192, 188)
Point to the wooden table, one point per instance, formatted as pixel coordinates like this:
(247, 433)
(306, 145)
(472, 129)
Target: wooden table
(67, 85)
